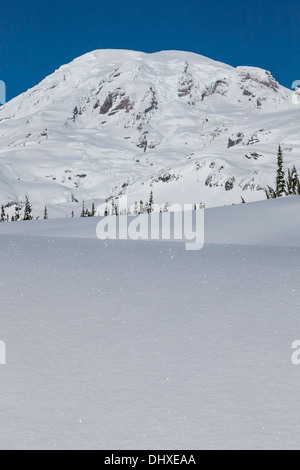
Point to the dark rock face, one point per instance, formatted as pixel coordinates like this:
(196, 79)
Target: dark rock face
(268, 81)
(112, 99)
(217, 87)
(239, 140)
(229, 185)
(143, 142)
(154, 102)
(185, 86)
(107, 105)
(248, 93)
(124, 104)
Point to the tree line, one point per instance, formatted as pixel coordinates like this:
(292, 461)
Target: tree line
(284, 186)
(112, 208)
(24, 211)
(27, 214)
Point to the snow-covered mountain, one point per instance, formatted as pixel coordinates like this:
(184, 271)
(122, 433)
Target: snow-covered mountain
(112, 121)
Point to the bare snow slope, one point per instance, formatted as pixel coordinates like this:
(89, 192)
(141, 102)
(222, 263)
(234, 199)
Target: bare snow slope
(144, 345)
(190, 128)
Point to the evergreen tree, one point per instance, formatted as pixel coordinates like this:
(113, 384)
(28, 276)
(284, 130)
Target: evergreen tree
(83, 210)
(2, 214)
(295, 181)
(151, 203)
(141, 207)
(72, 214)
(271, 193)
(292, 182)
(113, 208)
(136, 209)
(17, 213)
(280, 179)
(289, 182)
(28, 210)
(93, 213)
(45, 213)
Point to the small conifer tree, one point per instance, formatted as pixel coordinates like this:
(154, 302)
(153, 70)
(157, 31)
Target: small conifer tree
(295, 182)
(280, 179)
(142, 210)
(151, 203)
(28, 210)
(2, 214)
(17, 213)
(113, 207)
(83, 210)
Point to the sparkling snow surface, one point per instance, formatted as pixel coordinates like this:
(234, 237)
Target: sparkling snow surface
(123, 344)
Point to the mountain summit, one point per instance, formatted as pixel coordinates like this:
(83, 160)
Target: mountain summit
(189, 128)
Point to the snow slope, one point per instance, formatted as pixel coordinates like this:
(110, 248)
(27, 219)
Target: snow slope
(143, 345)
(110, 122)
(271, 223)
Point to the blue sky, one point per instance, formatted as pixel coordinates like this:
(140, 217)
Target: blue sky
(36, 37)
